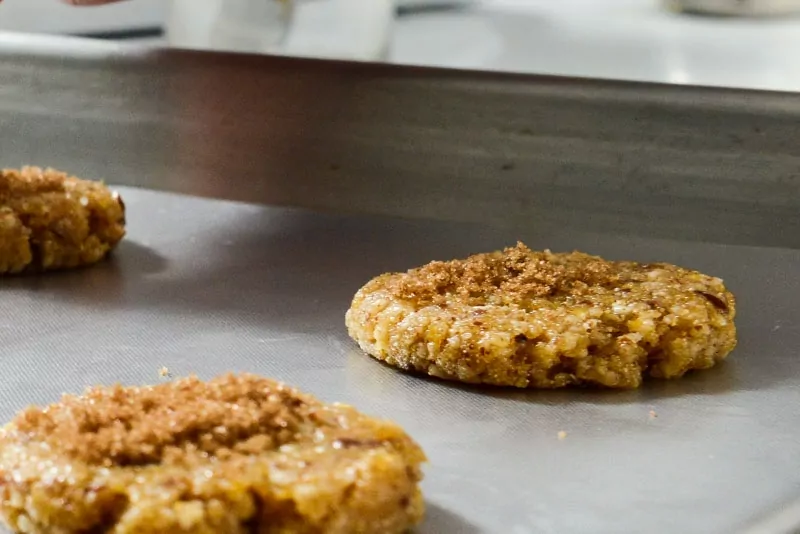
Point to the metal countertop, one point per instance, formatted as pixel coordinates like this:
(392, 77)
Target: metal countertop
(654, 160)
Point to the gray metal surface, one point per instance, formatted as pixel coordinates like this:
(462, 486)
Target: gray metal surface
(207, 287)
(660, 161)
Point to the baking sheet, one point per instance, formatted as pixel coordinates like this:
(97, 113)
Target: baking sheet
(206, 287)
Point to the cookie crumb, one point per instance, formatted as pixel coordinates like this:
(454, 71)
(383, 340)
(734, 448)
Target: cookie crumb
(164, 373)
(562, 435)
(653, 414)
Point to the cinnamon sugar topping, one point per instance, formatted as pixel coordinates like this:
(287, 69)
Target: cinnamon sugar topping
(514, 275)
(135, 426)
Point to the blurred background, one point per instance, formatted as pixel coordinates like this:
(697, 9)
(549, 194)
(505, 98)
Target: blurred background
(736, 43)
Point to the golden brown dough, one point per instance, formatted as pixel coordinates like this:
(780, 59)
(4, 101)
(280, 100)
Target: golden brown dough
(50, 220)
(234, 455)
(542, 320)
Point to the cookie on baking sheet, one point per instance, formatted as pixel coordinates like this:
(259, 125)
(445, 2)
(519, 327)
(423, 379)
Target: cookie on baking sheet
(50, 220)
(523, 318)
(238, 454)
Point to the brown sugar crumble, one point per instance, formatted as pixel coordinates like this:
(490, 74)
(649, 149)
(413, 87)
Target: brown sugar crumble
(235, 454)
(50, 220)
(121, 426)
(525, 318)
(515, 275)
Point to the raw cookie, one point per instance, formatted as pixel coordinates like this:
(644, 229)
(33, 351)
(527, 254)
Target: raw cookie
(50, 220)
(531, 319)
(235, 455)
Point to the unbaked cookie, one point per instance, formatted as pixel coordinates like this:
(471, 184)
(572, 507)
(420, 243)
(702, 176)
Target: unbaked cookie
(531, 319)
(235, 455)
(50, 220)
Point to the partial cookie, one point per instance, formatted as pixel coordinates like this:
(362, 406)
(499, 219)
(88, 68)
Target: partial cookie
(543, 320)
(235, 455)
(50, 220)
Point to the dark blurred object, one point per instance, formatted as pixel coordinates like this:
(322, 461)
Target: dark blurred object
(746, 8)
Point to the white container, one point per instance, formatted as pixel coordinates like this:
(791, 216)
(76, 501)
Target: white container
(341, 29)
(251, 25)
(337, 29)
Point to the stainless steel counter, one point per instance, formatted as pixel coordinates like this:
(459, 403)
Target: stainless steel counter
(472, 163)
(662, 161)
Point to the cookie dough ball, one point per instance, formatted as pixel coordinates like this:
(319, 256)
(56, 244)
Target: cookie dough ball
(531, 319)
(50, 220)
(234, 455)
